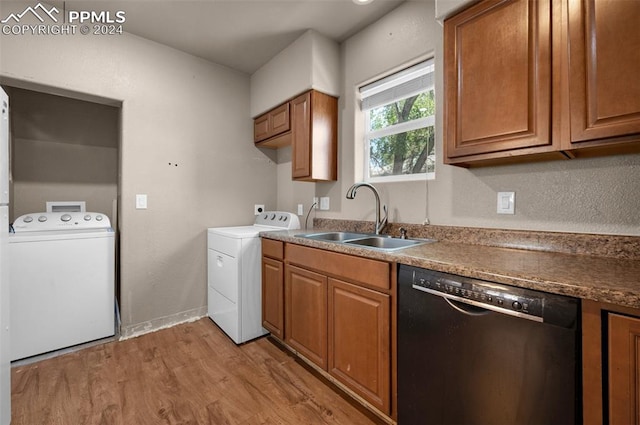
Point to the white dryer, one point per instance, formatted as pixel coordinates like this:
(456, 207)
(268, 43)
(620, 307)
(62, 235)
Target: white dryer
(234, 274)
(61, 279)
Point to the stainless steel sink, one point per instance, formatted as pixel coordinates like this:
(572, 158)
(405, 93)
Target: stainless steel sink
(365, 240)
(334, 236)
(387, 244)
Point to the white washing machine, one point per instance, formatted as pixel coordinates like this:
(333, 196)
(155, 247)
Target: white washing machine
(62, 279)
(234, 274)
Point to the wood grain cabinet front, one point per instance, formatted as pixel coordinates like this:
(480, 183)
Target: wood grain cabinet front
(338, 315)
(497, 64)
(529, 80)
(306, 313)
(610, 364)
(336, 311)
(273, 296)
(273, 287)
(309, 123)
(604, 70)
(360, 342)
(314, 137)
(272, 129)
(624, 369)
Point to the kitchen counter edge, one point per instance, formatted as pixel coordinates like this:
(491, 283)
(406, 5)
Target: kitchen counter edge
(602, 279)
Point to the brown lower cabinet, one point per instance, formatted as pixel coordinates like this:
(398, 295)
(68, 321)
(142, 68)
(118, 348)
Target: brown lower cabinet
(359, 326)
(338, 312)
(624, 369)
(611, 364)
(305, 312)
(273, 287)
(273, 296)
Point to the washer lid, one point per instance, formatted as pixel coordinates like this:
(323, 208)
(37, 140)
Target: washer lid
(239, 232)
(54, 221)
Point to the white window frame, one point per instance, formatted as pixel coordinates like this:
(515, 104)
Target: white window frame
(385, 83)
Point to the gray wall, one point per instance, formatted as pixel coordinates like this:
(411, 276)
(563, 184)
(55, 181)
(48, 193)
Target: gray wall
(586, 195)
(63, 150)
(176, 109)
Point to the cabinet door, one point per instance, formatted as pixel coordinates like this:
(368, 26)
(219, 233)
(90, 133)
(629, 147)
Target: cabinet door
(497, 70)
(624, 370)
(273, 296)
(280, 119)
(261, 128)
(359, 341)
(272, 124)
(604, 69)
(306, 314)
(301, 136)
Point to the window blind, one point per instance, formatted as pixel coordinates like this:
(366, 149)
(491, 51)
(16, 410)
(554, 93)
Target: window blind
(408, 82)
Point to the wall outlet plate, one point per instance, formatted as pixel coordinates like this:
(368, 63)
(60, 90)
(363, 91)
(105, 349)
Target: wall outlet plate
(506, 202)
(141, 202)
(300, 209)
(324, 203)
(258, 209)
(316, 205)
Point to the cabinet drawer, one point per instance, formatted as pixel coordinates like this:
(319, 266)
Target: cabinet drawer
(368, 272)
(273, 249)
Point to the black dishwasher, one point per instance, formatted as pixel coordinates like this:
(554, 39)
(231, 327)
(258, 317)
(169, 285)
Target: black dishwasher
(477, 352)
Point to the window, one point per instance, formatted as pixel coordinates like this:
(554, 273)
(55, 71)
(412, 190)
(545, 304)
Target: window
(400, 125)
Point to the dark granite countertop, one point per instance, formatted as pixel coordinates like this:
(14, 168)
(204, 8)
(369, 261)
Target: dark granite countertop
(614, 279)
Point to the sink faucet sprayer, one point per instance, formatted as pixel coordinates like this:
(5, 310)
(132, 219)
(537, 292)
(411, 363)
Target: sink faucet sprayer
(379, 225)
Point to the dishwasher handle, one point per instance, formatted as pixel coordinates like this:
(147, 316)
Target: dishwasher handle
(464, 308)
(479, 305)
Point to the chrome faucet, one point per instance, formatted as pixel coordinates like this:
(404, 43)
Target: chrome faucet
(379, 225)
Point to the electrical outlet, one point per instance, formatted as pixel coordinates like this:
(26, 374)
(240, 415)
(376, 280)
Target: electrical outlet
(324, 203)
(258, 208)
(316, 205)
(300, 209)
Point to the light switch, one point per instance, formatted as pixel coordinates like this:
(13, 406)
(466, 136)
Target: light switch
(141, 202)
(506, 202)
(324, 203)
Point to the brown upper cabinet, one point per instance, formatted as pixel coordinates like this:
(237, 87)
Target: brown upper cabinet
(273, 125)
(310, 125)
(604, 74)
(514, 91)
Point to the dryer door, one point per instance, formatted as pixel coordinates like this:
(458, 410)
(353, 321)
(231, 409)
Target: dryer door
(222, 294)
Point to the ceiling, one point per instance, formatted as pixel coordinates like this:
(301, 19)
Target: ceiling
(240, 34)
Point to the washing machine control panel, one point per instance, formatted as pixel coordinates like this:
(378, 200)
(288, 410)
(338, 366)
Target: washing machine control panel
(45, 221)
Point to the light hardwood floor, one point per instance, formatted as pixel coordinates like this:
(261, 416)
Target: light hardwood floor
(188, 374)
